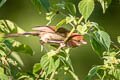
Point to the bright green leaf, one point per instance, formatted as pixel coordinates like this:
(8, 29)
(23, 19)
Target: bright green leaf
(2, 74)
(105, 4)
(7, 26)
(2, 2)
(82, 29)
(69, 19)
(71, 7)
(1, 70)
(49, 63)
(86, 7)
(57, 63)
(60, 23)
(118, 39)
(51, 66)
(36, 67)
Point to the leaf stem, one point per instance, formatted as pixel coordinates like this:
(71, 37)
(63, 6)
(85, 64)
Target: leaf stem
(79, 21)
(52, 75)
(39, 75)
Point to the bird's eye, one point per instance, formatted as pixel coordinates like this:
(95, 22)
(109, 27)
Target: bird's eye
(78, 40)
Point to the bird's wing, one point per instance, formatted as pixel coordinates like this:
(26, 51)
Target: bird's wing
(45, 28)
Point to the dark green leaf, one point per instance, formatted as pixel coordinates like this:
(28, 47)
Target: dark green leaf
(23, 48)
(2, 2)
(36, 67)
(45, 4)
(7, 26)
(86, 7)
(92, 72)
(104, 39)
(71, 7)
(96, 46)
(18, 47)
(105, 4)
(37, 3)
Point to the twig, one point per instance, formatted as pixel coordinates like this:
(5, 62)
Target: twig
(115, 45)
(39, 75)
(73, 29)
(66, 39)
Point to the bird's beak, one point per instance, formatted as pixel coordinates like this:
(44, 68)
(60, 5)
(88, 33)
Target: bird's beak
(83, 42)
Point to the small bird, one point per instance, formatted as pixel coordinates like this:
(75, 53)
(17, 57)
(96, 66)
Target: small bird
(48, 34)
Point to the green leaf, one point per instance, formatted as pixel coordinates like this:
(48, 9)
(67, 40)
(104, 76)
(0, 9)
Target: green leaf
(48, 63)
(45, 4)
(82, 29)
(37, 3)
(92, 72)
(104, 39)
(70, 19)
(51, 66)
(96, 46)
(36, 67)
(60, 23)
(57, 63)
(71, 7)
(118, 39)
(18, 47)
(66, 62)
(2, 2)
(86, 7)
(105, 4)
(7, 26)
(60, 5)
(2, 74)
(1, 70)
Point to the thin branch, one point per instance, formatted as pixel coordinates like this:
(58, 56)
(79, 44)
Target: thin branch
(73, 29)
(66, 39)
(39, 75)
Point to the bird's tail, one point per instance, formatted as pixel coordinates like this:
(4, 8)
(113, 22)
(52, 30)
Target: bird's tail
(22, 34)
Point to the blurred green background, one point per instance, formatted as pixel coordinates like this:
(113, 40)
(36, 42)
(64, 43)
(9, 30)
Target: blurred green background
(25, 15)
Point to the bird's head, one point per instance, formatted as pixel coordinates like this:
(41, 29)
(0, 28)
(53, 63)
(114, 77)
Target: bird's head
(76, 40)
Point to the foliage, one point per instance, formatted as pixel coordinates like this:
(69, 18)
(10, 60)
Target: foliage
(56, 59)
